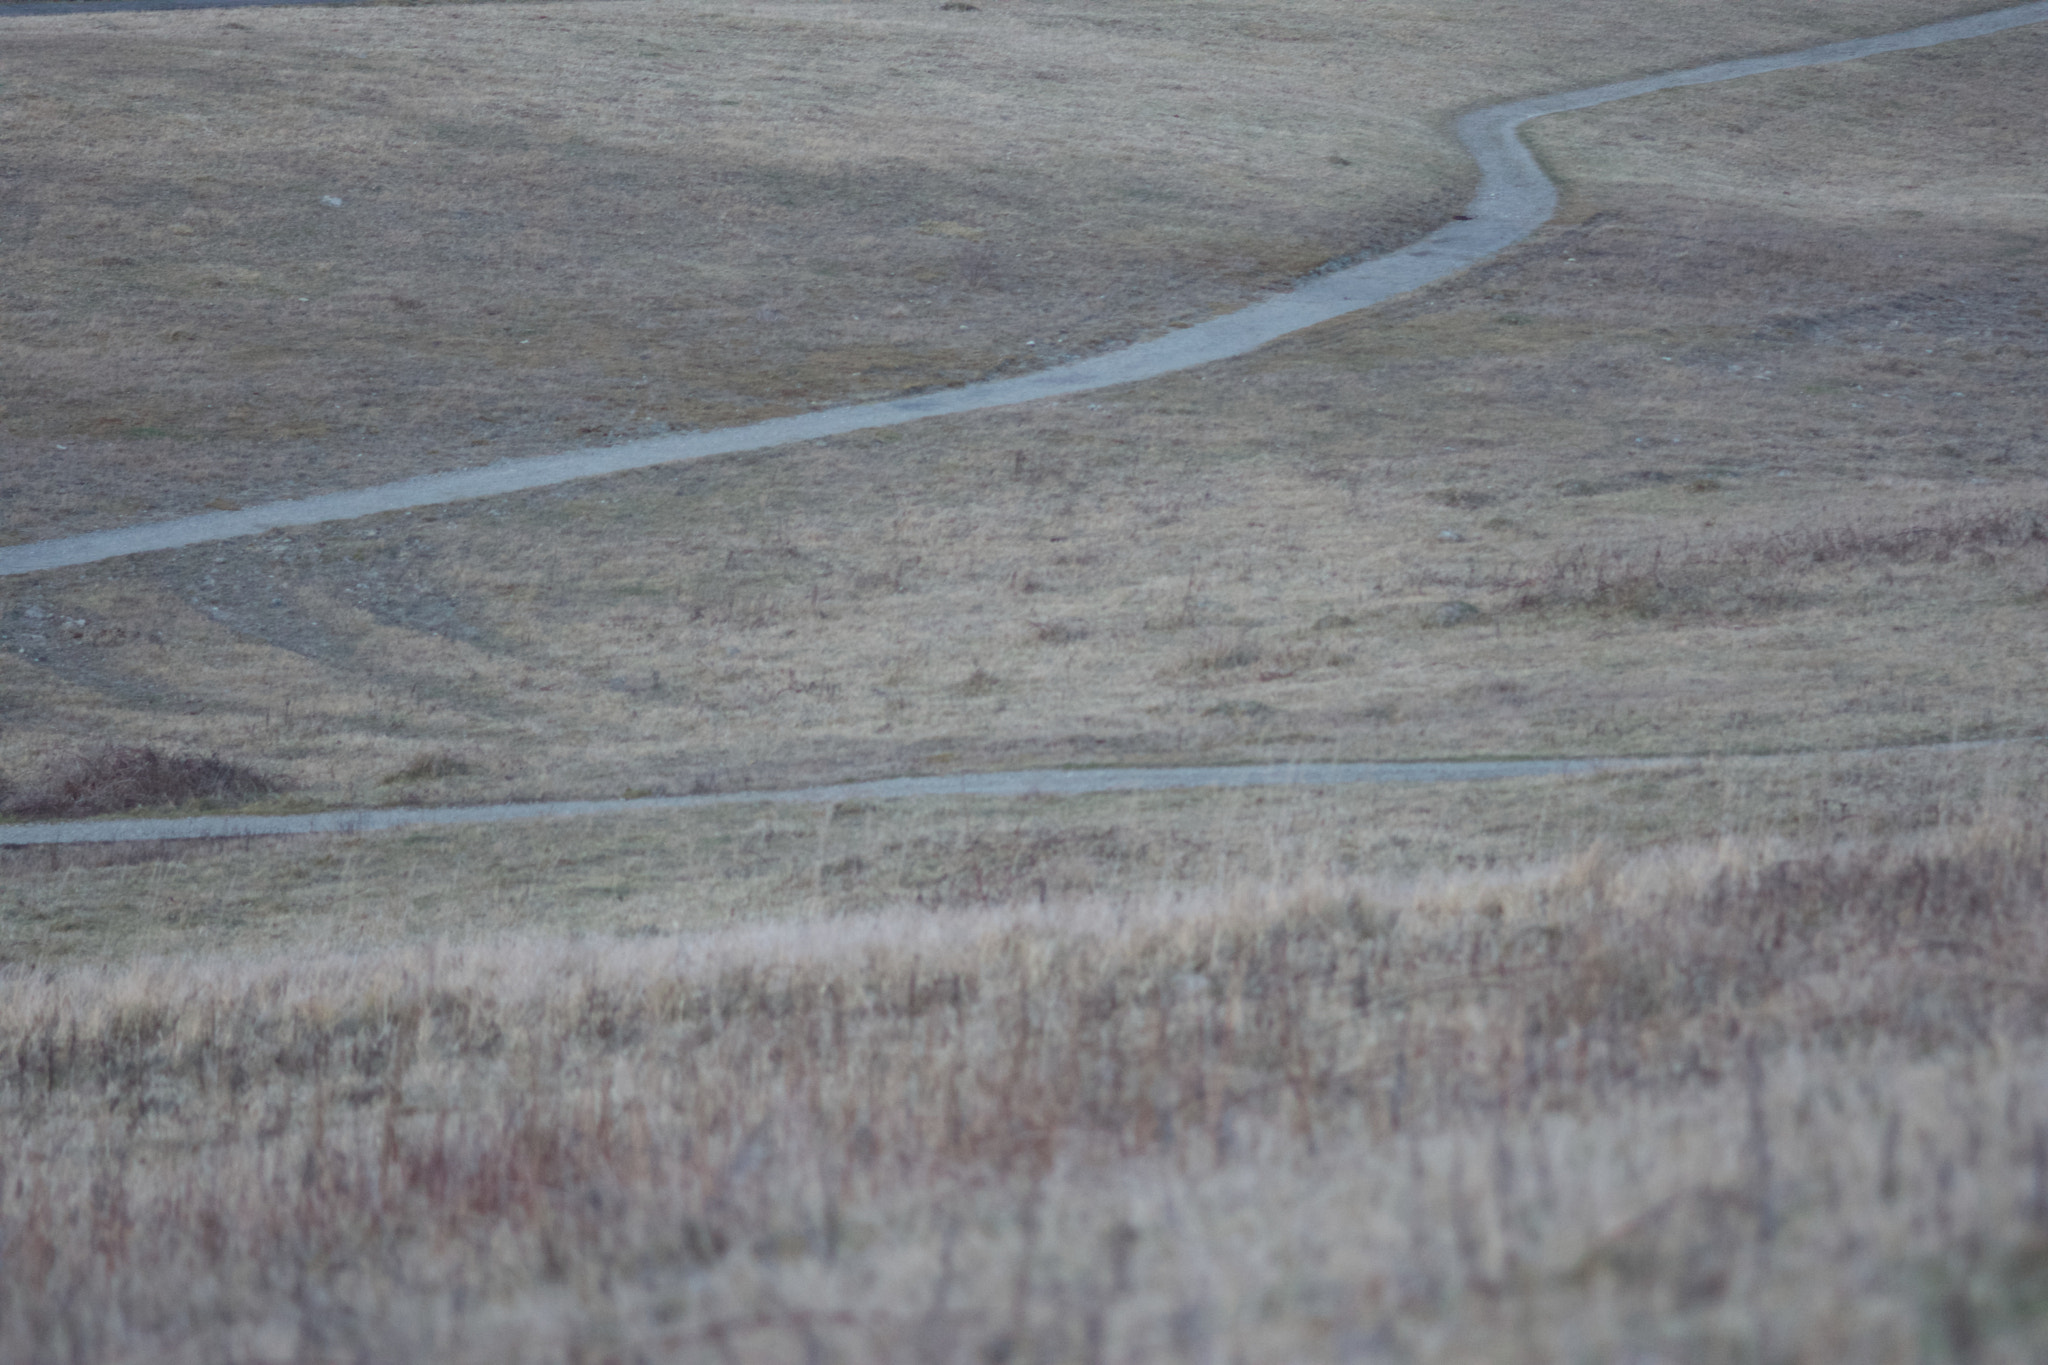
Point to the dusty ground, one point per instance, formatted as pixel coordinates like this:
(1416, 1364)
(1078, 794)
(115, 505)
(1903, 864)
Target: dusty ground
(560, 225)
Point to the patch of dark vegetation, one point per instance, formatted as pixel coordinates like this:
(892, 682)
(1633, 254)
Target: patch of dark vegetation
(1058, 632)
(1242, 653)
(430, 767)
(1753, 574)
(122, 777)
(979, 683)
(48, 859)
(1650, 585)
(1619, 483)
(1935, 540)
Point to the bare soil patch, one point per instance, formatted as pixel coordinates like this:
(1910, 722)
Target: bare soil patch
(562, 225)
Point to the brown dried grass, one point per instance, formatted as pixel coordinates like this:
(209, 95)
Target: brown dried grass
(656, 874)
(1752, 574)
(475, 1094)
(1712, 1104)
(119, 777)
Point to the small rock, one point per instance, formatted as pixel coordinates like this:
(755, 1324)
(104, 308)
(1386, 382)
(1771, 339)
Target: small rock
(330, 201)
(1454, 614)
(1449, 535)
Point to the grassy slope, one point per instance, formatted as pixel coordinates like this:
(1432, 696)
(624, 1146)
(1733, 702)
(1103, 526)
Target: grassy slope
(1756, 1077)
(1746, 454)
(661, 875)
(564, 224)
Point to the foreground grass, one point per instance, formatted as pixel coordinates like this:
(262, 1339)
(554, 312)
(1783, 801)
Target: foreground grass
(1750, 1101)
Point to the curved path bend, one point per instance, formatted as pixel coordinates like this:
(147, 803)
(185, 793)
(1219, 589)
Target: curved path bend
(1514, 199)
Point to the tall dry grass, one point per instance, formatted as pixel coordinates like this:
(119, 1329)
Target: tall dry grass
(624, 875)
(1735, 1102)
(1759, 573)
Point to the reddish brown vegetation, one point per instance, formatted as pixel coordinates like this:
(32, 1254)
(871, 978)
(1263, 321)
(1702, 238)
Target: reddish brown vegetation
(1708, 1101)
(119, 777)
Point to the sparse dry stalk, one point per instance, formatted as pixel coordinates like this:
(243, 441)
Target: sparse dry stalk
(757, 1140)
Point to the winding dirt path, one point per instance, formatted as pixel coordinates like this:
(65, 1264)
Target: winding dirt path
(1514, 199)
(1040, 782)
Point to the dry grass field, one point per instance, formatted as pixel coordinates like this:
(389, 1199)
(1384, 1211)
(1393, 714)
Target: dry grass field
(563, 224)
(653, 875)
(1745, 455)
(1736, 1059)
(1734, 1104)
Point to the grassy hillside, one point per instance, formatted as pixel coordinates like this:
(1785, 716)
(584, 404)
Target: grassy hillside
(1734, 1059)
(562, 224)
(1744, 454)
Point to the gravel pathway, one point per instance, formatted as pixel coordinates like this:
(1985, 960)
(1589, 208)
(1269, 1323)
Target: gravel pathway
(1027, 782)
(1045, 782)
(36, 9)
(1514, 199)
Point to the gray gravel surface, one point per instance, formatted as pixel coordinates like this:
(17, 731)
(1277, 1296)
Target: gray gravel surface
(39, 8)
(1047, 782)
(1514, 199)
(1027, 782)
